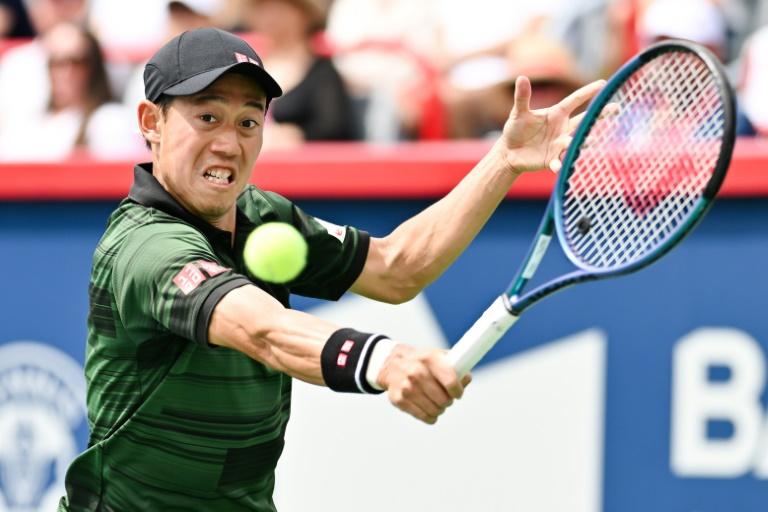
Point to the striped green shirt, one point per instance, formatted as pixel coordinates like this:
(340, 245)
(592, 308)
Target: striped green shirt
(177, 424)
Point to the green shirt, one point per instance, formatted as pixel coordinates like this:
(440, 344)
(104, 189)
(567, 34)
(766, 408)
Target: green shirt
(177, 424)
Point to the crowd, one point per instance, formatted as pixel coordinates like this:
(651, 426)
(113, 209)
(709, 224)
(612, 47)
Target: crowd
(378, 70)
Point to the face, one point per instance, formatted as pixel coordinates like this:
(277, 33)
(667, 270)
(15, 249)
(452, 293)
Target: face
(279, 19)
(45, 14)
(68, 66)
(208, 144)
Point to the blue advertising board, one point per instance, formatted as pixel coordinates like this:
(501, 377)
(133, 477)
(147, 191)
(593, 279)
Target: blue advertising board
(685, 421)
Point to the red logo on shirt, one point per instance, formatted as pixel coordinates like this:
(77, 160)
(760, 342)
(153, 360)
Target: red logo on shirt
(341, 361)
(211, 268)
(347, 346)
(189, 278)
(194, 273)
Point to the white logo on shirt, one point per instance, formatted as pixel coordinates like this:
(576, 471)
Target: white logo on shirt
(339, 232)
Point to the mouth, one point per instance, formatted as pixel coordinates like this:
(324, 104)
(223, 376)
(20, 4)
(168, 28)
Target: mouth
(219, 176)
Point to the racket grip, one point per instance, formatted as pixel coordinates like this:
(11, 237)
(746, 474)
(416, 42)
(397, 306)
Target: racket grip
(481, 337)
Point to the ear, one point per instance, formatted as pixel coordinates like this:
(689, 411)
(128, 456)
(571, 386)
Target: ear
(150, 121)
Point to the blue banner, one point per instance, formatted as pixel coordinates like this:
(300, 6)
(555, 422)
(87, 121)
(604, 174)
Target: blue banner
(679, 400)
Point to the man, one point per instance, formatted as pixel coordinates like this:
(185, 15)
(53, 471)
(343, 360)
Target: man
(189, 358)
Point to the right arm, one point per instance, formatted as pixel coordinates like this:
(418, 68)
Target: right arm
(247, 319)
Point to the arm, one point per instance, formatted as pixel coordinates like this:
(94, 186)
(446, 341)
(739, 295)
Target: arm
(247, 319)
(422, 248)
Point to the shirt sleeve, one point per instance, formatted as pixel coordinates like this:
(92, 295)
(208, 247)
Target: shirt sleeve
(167, 277)
(336, 254)
(335, 259)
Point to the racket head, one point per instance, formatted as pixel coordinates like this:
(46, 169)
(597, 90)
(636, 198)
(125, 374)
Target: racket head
(635, 181)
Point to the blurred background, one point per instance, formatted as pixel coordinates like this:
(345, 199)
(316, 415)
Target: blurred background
(645, 393)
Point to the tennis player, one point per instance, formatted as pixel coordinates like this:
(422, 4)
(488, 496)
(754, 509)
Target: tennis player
(189, 358)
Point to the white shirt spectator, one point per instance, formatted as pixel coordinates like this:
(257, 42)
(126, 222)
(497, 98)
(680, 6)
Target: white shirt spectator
(110, 134)
(24, 86)
(482, 25)
(128, 24)
(754, 80)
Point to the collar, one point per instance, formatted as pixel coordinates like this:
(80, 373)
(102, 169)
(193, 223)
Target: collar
(147, 191)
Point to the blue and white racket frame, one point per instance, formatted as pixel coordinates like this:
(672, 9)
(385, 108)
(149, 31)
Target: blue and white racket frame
(507, 308)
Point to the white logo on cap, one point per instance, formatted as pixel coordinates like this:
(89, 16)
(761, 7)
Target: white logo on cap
(244, 58)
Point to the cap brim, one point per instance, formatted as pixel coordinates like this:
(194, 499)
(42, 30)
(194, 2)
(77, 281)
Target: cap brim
(197, 83)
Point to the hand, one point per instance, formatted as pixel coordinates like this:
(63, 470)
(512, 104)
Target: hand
(534, 139)
(421, 382)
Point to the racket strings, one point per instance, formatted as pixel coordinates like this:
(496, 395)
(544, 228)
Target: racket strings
(644, 168)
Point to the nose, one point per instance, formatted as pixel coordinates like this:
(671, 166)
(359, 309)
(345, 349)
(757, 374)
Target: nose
(226, 142)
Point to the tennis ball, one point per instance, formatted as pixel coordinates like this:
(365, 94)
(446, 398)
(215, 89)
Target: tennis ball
(275, 252)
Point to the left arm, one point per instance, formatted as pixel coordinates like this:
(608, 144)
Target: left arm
(418, 251)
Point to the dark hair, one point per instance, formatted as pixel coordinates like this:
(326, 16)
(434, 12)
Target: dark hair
(164, 101)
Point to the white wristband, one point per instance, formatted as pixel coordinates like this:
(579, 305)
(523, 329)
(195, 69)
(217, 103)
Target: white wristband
(380, 354)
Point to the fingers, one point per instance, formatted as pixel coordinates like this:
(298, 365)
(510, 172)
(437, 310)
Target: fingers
(574, 122)
(609, 110)
(561, 146)
(413, 400)
(580, 96)
(446, 375)
(417, 411)
(424, 384)
(522, 94)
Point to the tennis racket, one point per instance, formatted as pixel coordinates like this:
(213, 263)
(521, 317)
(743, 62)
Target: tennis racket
(642, 170)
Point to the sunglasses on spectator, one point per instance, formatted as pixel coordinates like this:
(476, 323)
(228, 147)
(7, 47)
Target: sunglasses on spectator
(71, 60)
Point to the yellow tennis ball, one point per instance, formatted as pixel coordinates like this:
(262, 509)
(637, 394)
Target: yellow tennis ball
(275, 252)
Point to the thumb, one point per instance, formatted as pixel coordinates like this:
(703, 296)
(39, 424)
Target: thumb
(522, 94)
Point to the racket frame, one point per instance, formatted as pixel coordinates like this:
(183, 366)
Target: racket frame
(505, 310)
(554, 214)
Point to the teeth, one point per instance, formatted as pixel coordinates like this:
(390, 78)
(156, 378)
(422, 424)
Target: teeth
(218, 175)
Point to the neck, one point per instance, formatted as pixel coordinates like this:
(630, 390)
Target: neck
(226, 222)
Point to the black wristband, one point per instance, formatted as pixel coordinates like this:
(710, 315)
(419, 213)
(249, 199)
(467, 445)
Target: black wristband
(344, 360)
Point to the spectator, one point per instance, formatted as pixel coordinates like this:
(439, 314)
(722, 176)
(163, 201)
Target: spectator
(128, 25)
(385, 50)
(182, 15)
(186, 15)
(316, 104)
(753, 84)
(549, 65)
(20, 97)
(79, 115)
(472, 46)
(593, 30)
(551, 68)
(14, 21)
(744, 18)
(701, 21)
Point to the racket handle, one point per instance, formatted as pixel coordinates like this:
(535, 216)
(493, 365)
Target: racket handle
(481, 337)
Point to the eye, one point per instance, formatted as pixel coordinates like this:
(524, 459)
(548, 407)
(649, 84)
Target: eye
(249, 123)
(207, 118)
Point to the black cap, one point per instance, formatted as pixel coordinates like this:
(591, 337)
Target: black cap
(192, 61)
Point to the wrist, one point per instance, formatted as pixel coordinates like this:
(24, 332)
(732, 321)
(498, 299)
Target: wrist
(379, 355)
(345, 360)
(500, 156)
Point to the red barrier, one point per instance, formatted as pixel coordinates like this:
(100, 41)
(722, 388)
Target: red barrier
(343, 170)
